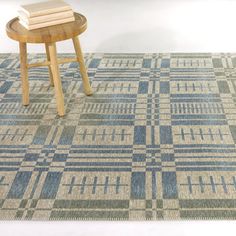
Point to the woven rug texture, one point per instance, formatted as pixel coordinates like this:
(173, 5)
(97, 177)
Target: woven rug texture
(156, 140)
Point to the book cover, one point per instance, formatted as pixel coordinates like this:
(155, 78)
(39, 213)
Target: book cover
(44, 18)
(43, 8)
(45, 24)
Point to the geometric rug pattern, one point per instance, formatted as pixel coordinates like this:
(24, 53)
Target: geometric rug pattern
(156, 140)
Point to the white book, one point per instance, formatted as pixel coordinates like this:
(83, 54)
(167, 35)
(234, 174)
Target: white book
(44, 8)
(44, 18)
(45, 24)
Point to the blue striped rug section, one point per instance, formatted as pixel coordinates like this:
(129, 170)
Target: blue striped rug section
(156, 140)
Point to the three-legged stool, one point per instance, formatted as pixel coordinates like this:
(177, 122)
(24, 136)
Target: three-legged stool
(49, 36)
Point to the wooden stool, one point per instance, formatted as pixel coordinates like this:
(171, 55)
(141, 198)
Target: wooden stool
(49, 36)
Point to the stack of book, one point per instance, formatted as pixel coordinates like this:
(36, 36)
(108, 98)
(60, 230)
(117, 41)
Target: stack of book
(43, 14)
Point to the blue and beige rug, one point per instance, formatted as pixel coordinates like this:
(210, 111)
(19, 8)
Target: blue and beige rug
(157, 140)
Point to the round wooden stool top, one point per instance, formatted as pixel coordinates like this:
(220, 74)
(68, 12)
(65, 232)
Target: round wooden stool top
(49, 34)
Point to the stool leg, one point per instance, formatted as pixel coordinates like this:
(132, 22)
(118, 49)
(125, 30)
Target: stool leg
(56, 79)
(80, 59)
(24, 74)
(49, 67)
